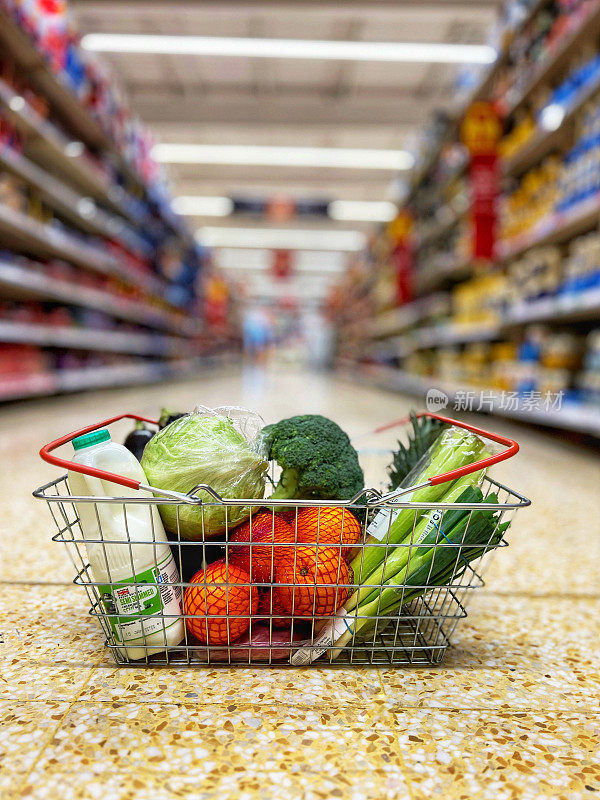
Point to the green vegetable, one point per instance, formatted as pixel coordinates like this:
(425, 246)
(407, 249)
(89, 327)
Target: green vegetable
(463, 490)
(204, 448)
(425, 431)
(317, 460)
(454, 448)
(472, 533)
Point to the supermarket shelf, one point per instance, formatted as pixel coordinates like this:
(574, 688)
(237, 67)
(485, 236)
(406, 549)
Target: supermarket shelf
(398, 319)
(21, 282)
(131, 374)
(445, 267)
(76, 208)
(555, 229)
(570, 308)
(580, 417)
(45, 241)
(554, 64)
(47, 145)
(480, 93)
(31, 61)
(78, 119)
(441, 229)
(93, 339)
(544, 141)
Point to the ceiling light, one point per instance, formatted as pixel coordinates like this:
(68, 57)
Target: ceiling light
(362, 210)
(199, 206)
(264, 156)
(423, 52)
(284, 239)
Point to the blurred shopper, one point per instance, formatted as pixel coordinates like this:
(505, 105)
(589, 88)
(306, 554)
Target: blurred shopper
(258, 335)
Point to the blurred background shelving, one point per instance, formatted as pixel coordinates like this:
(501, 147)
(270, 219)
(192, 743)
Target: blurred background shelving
(101, 283)
(526, 322)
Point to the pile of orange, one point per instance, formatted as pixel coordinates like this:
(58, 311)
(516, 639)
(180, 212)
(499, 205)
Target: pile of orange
(301, 564)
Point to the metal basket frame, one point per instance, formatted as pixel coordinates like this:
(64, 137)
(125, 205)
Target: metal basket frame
(418, 633)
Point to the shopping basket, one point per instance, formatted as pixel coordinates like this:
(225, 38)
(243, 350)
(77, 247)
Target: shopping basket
(418, 631)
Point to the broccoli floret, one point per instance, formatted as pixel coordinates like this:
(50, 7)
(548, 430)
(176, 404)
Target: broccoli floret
(317, 460)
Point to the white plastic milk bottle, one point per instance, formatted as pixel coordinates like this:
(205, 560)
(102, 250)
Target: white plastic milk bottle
(146, 619)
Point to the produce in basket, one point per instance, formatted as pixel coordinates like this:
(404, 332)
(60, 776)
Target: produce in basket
(269, 605)
(328, 525)
(264, 533)
(207, 447)
(425, 430)
(220, 602)
(425, 565)
(454, 448)
(316, 457)
(312, 581)
(137, 440)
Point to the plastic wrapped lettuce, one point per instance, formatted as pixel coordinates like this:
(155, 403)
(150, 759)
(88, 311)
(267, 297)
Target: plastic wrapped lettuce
(219, 447)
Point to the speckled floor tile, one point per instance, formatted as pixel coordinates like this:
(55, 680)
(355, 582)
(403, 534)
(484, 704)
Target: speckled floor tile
(500, 756)
(48, 625)
(24, 729)
(306, 687)
(532, 632)
(24, 680)
(240, 784)
(230, 750)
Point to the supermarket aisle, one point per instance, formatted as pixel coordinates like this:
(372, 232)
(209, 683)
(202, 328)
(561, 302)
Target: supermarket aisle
(513, 712)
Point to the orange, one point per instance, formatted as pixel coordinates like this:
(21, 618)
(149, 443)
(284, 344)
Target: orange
(269, 605)
(326, 525)
(263, 532)
(314, 575)
(220, 602)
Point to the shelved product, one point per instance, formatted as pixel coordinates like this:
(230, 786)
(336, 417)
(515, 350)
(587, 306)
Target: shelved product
(96, 271)
(546, 82)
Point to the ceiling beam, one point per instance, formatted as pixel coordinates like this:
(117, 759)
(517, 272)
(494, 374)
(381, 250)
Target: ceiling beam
(243, 108)
(368, 6)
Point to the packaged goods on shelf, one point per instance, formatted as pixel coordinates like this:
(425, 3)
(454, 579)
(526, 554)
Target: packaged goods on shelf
(536, 45)
(582, 265)
(479, 300)
(533, 200)
(538, 273)
(521, 133)
(589, 379)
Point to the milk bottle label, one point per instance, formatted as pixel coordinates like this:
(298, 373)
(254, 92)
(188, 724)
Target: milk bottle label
(145, 604)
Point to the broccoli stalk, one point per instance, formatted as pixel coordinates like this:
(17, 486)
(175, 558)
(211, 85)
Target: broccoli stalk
(317, 459)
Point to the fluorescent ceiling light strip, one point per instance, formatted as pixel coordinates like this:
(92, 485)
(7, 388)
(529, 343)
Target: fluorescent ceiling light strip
(362, 210)
(281, 238)
(264, 156)
(424, 52)
(199, 206)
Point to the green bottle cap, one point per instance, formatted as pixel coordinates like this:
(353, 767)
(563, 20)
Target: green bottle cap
(91, 438)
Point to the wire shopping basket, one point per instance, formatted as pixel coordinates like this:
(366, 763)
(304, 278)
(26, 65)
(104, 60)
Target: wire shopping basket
(295, 601)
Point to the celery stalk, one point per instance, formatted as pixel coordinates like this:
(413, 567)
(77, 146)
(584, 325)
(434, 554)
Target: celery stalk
(462, 491)
(433, 567)
(454, 448)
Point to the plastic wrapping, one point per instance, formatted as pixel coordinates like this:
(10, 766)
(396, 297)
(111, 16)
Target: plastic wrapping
(219, 447)
(454, 447)
(472, 446)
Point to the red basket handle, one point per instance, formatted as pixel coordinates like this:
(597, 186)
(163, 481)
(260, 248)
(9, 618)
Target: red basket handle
(46, 450)
(512, 448)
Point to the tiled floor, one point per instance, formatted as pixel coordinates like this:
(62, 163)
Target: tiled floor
(514, 711)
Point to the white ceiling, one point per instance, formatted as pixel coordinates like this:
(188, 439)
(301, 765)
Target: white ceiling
(286, 102)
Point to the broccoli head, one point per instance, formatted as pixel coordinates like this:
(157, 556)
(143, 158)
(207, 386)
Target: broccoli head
(317, 460)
